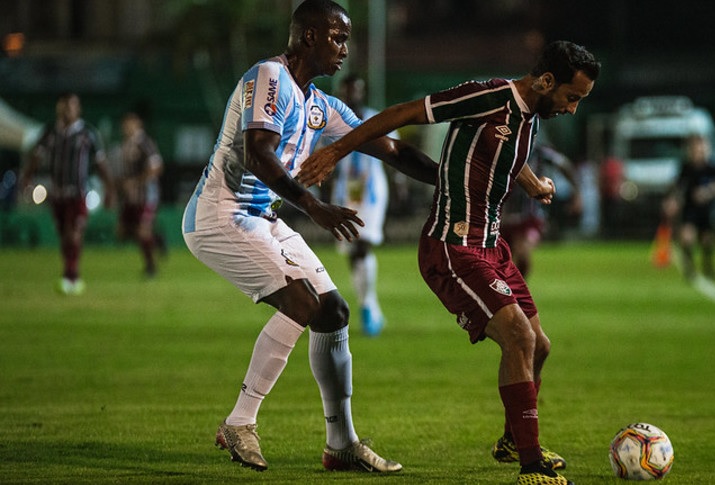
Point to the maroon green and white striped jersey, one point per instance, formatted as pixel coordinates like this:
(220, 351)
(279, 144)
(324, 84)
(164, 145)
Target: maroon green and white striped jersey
(70, 154)
(490, 136)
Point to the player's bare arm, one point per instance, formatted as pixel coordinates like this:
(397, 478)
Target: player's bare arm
(261, 160)
(319, 165)
(403, 157)
(540, 188)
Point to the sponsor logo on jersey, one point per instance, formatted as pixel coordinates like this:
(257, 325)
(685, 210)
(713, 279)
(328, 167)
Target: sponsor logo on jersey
(320, 269)
(494, 227)
(270, 107)
(500, 287)
(248, 94)
(287, 258)
(503, 132)
(461, 228)
(316, 118)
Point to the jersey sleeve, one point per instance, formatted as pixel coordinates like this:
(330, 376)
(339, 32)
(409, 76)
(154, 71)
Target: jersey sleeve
(96, 144)
(471, 99)
(267, 94)
(340, 119)
(151, 153)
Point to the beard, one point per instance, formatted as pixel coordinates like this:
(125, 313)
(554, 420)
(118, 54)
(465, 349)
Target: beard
(544, 107)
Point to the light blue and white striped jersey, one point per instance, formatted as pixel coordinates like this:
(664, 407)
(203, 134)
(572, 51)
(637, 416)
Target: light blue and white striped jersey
(268, 98)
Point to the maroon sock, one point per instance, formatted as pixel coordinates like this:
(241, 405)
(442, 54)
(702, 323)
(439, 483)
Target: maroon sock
(72, 261)
(70, 257)
(147, 246)
(507, 424)
(520, 404)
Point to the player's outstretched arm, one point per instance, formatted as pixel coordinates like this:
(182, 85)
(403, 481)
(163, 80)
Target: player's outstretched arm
(403, 157)
(319, 165)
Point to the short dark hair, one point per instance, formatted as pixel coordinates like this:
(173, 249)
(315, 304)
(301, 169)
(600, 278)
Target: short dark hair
(311, 13)
(563, 58)
(67, 95)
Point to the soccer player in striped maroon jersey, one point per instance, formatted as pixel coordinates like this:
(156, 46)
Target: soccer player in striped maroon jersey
(463, 259)
(70, 148)
(138, 172)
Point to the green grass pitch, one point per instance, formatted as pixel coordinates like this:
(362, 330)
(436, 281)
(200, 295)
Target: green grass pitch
(127, 383)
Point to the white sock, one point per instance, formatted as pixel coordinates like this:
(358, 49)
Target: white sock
(331, 363)
(359, 277)
(270, 355)
(371, 280)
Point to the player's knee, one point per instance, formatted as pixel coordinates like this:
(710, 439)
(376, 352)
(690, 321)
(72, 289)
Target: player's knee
(542, 347)
(517, 334)
(333, 313)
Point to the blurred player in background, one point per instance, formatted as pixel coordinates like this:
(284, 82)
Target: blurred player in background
(70, 148)
(140, 165)
(361, 184)
(524, 219)
(462, 257)
(692, 202)
(273, 121)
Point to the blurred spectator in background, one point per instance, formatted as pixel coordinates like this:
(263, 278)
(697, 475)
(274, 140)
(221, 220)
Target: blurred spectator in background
(70, 148)
(609, 184)
(524, 219)
(361, 184)
(138, 172)
(690, 202)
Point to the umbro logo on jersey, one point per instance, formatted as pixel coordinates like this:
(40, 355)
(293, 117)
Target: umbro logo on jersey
(500, 287)
(503, 132)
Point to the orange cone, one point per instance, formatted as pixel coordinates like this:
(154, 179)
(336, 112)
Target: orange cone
(662, 247)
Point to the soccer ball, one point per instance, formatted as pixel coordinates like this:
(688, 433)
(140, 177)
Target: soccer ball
(641, 451)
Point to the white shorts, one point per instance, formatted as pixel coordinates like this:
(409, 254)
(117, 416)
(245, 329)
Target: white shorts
(258, 256)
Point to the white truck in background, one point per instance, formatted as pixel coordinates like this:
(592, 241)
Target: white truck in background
(643, 144)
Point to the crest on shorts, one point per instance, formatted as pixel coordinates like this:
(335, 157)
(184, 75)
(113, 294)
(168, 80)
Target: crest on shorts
(500, 287)
(461, 228)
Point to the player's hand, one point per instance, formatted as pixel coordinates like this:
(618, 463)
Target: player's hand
(317, 167)
(339, 221)
(544, 191)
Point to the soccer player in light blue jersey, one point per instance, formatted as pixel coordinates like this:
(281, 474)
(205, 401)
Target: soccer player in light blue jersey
(273, 121)
(361, 184)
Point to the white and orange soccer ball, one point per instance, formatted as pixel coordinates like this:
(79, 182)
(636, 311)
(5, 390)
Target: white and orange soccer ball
(641, 451)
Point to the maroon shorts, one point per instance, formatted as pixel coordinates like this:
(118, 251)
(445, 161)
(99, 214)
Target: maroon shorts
(531, 228)
(473, 283)
(132, 215)
(69, 213)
